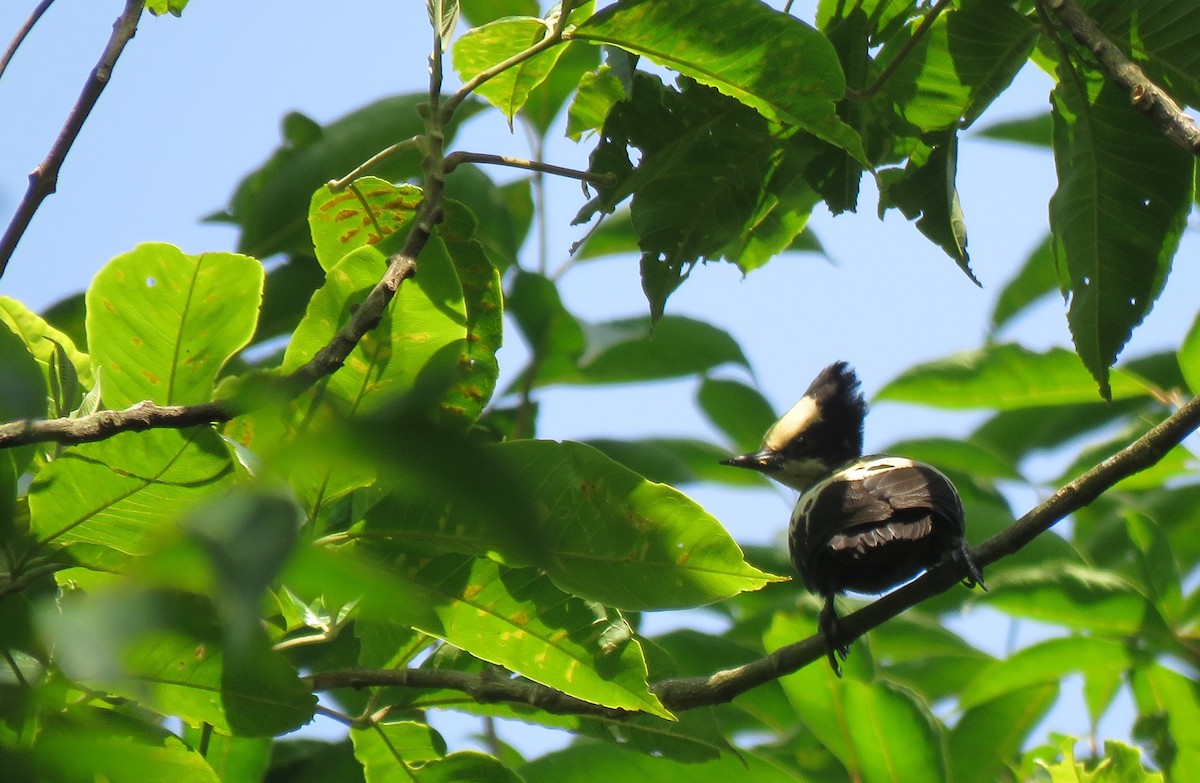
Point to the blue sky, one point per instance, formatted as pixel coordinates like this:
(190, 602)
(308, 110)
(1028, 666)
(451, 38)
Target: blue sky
(195, 103)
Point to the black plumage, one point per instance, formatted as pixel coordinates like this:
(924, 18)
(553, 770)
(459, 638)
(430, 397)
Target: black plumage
(861, 524)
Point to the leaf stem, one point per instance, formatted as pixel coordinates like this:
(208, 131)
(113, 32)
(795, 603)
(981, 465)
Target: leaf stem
(905, 50)
(338, 185)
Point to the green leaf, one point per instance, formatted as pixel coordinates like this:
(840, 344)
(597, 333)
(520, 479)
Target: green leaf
(164, 650)
(965, 59)
(925, 191)
(1161, 35)
(598, 92)
(1189, 357)
(546, 101)
(554, 336)
(233, 759)
(479, 12)
(1003, 377)
(736, 47)
(47, 344)
(601, 531)
(1036, 279)
(1035, 130)
(367, 212)
(390, 751)
(23, 393)
(483, 298)
(594, 762)
(172, 7)
(118, 754)
(1071, 595)
(286, 292)
(467, 765)
(427, 315)
(443, 17)
(1044, 663)
(497, 215)
(878, 730)
(989, 736)
(1157, 566)
(494, 43)
(518, 619)
(271, 204)
(675, 461)
(926, 657)
(1123, 197)
(962, 456)
(1017, 433)
(738, 410)
(1169, 703)
(127, 492)
(162, 324)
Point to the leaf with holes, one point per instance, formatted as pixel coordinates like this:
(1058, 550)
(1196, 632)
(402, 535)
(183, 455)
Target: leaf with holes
(161, 324)
(1123, 197)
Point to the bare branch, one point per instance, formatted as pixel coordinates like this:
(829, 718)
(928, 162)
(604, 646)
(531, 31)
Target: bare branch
(456, 159)
(1150, 99)
(337, 185)
(44, 179)
(690, 692)
(22, 33)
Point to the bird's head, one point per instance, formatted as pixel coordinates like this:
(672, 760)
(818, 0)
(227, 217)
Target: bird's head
(820, 432)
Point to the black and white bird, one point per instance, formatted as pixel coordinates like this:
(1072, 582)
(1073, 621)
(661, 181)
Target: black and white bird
(862, 523)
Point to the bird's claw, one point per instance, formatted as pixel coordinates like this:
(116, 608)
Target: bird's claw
(827, 624)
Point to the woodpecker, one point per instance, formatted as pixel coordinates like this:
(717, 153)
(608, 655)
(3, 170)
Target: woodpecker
(862, 523)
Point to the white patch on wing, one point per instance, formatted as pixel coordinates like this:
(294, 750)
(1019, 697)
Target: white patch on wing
(860, 470)
(802, 416)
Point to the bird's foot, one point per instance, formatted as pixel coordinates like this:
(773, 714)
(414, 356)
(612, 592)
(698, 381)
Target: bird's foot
(827, 624)
(974, 574)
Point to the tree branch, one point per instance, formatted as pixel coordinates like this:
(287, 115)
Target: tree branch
(456, 159)
(22, 33)
(690, 692)
(1150, 99)
(147, 415)
(43, 180)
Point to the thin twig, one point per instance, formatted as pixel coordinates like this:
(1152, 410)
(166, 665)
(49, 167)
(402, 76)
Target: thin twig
(338, 185)
(1150, 99)
(44, 179)
(22, 33)
(456, 159)
(691, 692)
(901, 56)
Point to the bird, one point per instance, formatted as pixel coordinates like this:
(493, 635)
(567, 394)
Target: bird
(862, 523)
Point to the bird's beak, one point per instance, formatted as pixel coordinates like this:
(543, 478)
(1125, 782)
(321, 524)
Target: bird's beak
(765, 461)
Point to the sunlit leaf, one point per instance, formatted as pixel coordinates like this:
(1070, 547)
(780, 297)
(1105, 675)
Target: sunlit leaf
(1170, 702)
(736, 47)
(162, 324)
(124, 493)
(386, 750)
(366, 213)
(517, 618)
(963, 61)
(488, 46)
(1004, 377)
